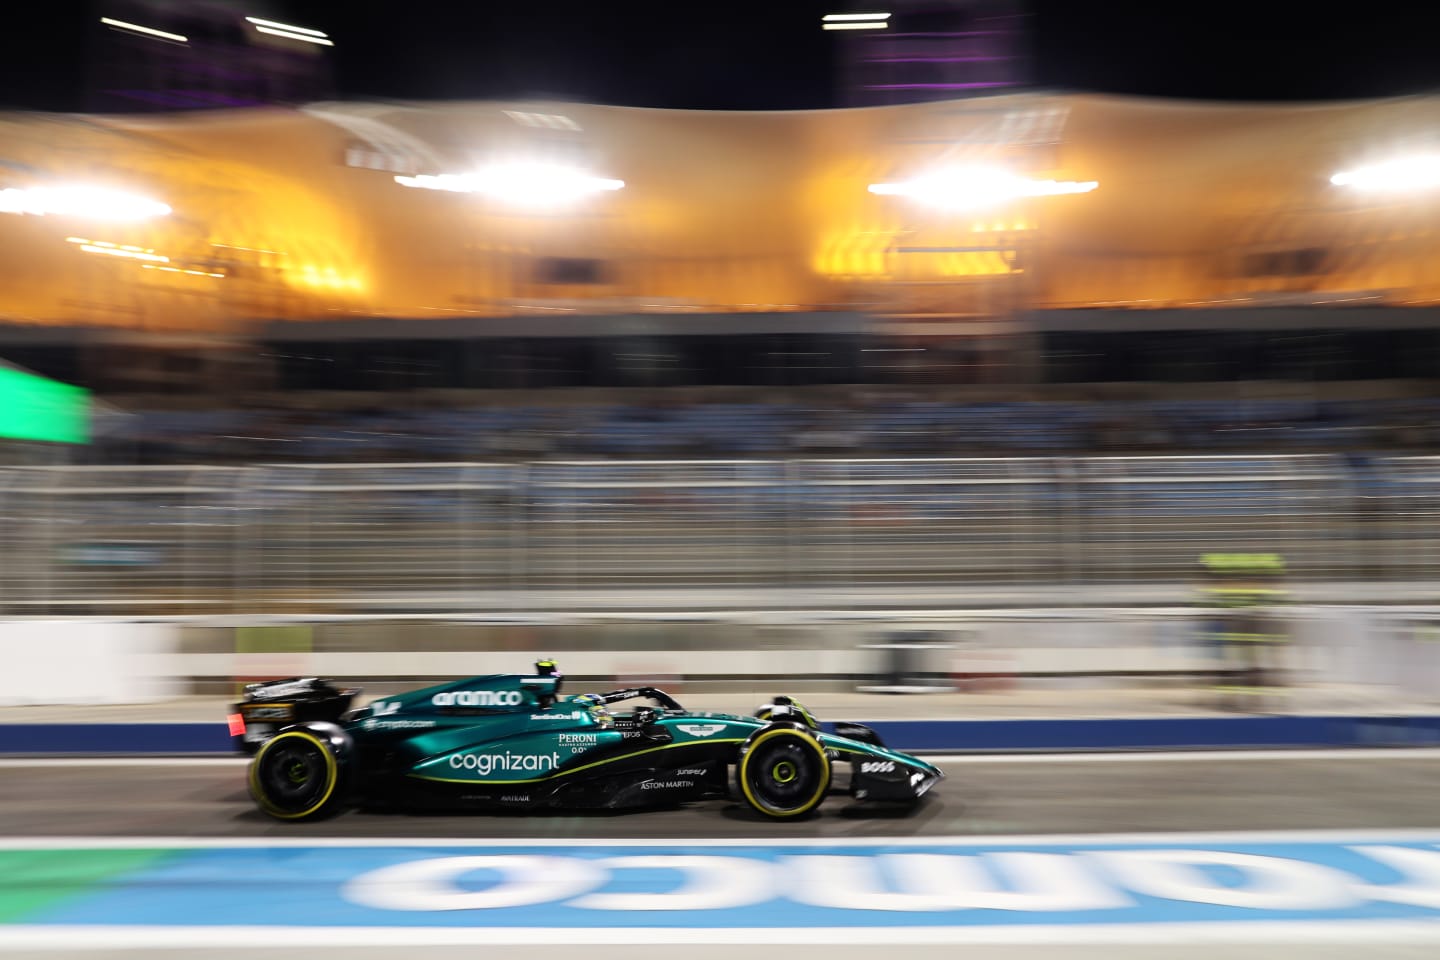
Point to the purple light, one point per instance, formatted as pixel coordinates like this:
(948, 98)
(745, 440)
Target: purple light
(964, 33)
(183, 100)
(936, 86)
(937, 59)
(902, 65)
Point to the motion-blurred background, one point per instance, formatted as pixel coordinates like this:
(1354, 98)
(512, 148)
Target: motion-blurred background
(327, 381)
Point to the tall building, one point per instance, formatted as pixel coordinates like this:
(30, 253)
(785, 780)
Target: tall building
(166, 55)
(933, 50)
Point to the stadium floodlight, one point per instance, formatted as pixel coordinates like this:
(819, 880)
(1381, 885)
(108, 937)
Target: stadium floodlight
(969, 188)
(1401, 175)
(193, 273)
(109, 249)
(143, 31)
(296, 36)
(855, 21)
(92, 203)
(128, 254)
(531, 185)
(288, 27)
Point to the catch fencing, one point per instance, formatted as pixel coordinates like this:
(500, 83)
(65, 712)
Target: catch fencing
(139, 540)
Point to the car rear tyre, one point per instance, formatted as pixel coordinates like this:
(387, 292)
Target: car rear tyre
(298, 775)
(783, 771)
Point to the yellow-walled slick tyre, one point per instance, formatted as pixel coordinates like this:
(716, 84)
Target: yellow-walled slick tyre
(783, 771)
(300, 774)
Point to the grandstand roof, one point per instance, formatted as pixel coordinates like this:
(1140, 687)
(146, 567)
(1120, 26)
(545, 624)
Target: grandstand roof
(297, 214)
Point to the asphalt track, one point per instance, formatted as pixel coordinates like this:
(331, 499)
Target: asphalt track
(1090, 794)
(1069, 794)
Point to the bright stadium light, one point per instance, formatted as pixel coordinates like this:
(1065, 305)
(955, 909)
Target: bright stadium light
(128, 254)
(290, 27)
(92, 203)
(109, 249)
(290, 32)
(968, 188)
(522, 184)
(1405, 174)
(143, 31)
(296, 36)
(855, 21)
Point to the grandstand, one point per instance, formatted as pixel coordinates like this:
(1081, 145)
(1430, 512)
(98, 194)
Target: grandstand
(755, 428)
(1201, 273)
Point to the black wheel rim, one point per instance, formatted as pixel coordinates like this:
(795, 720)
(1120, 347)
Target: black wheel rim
(783, 773)
(294, 774)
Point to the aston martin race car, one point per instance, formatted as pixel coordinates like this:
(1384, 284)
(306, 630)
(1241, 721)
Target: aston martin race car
(515, 742)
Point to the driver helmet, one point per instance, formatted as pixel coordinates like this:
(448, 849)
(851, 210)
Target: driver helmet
(596, 707)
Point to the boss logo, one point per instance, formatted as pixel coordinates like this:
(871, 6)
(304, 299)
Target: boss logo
(878, 766)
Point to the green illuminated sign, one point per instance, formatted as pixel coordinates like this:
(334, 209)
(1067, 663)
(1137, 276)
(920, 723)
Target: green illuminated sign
(33, 408)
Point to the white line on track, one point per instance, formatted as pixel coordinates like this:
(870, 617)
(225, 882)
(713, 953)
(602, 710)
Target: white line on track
(1357, 932)
(40, 763)
(1139, 756)
(1428, 835)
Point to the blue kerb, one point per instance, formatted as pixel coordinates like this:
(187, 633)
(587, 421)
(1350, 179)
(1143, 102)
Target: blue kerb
(1122, 733)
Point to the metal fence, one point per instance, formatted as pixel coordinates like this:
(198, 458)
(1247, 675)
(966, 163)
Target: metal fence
(166, 539)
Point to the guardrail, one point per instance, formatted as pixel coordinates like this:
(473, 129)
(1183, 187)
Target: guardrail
(150, 540)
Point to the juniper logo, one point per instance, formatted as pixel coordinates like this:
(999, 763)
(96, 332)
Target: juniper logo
(398, 724)
(477, 698)
(488, 763)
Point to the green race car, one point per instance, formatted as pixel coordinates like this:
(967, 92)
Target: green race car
(515, 742)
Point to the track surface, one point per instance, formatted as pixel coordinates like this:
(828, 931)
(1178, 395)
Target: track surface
(1069, 795)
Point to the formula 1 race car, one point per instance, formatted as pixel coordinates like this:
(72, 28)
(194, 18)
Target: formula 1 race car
(513, 742)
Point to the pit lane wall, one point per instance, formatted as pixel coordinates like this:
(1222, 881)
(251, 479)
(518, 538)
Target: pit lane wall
(99, 661)
(84, 662)
(1388, 650)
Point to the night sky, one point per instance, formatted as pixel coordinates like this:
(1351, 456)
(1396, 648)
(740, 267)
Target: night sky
(771, 54)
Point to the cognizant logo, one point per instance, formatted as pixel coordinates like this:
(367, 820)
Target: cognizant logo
(488, 763)
(477, 698)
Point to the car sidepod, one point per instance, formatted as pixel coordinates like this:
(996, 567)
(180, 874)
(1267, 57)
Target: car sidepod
(568, 762)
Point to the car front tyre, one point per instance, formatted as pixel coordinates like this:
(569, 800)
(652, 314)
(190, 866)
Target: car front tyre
(783, 771)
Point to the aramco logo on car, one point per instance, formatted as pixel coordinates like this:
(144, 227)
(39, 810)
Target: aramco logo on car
(477, 698)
